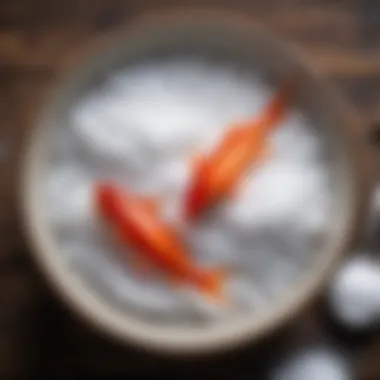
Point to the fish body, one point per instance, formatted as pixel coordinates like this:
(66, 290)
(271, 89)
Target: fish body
(137, 224)
(216, 176)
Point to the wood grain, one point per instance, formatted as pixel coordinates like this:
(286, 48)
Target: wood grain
(37, 335)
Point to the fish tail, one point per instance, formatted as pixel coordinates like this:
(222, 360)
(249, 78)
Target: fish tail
(212, 284)
(279, 104)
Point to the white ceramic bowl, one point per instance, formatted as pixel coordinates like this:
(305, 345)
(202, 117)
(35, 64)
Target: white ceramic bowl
(233, 37)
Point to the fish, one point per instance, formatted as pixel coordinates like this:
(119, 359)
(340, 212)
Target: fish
(216, 176)
(136, 223)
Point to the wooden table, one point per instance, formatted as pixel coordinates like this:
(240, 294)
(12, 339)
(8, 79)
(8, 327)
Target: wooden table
(37, 335)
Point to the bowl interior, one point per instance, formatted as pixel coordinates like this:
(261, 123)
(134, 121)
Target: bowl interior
(212, 38)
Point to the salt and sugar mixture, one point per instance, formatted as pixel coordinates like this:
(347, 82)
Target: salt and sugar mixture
(140, 128)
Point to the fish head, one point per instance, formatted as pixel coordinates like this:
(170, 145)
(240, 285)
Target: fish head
(108, 199)
(122, 210)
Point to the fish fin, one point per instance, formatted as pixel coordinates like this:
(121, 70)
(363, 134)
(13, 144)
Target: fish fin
(196, 159)
(199, 162)
(200, 165)
(265, 153)
(151, 205)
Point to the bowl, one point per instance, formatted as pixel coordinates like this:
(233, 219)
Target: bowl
(212, 33)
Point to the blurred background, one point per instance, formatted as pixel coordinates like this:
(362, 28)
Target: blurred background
(38, 38)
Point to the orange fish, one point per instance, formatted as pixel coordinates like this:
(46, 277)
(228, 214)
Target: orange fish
(137, 224)
(216, 176)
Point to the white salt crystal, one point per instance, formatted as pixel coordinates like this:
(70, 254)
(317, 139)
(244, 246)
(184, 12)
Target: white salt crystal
(174, 176)
(105, 131)
(69, 197)
(212, 245)
(271, 269)
(64, 148)
(292, 141)
(141, 128)
(95, 262)
(278, 191)
(246, 293)
(164, 126)
(206, 307)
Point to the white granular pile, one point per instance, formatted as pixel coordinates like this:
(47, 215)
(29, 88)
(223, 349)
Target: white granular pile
(315, 364)
(354, 294)
(140, 128)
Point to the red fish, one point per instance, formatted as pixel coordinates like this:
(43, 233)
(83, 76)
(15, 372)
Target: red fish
(216, 176)
(137, 224)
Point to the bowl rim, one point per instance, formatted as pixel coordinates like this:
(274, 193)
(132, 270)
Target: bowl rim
(88, 307)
